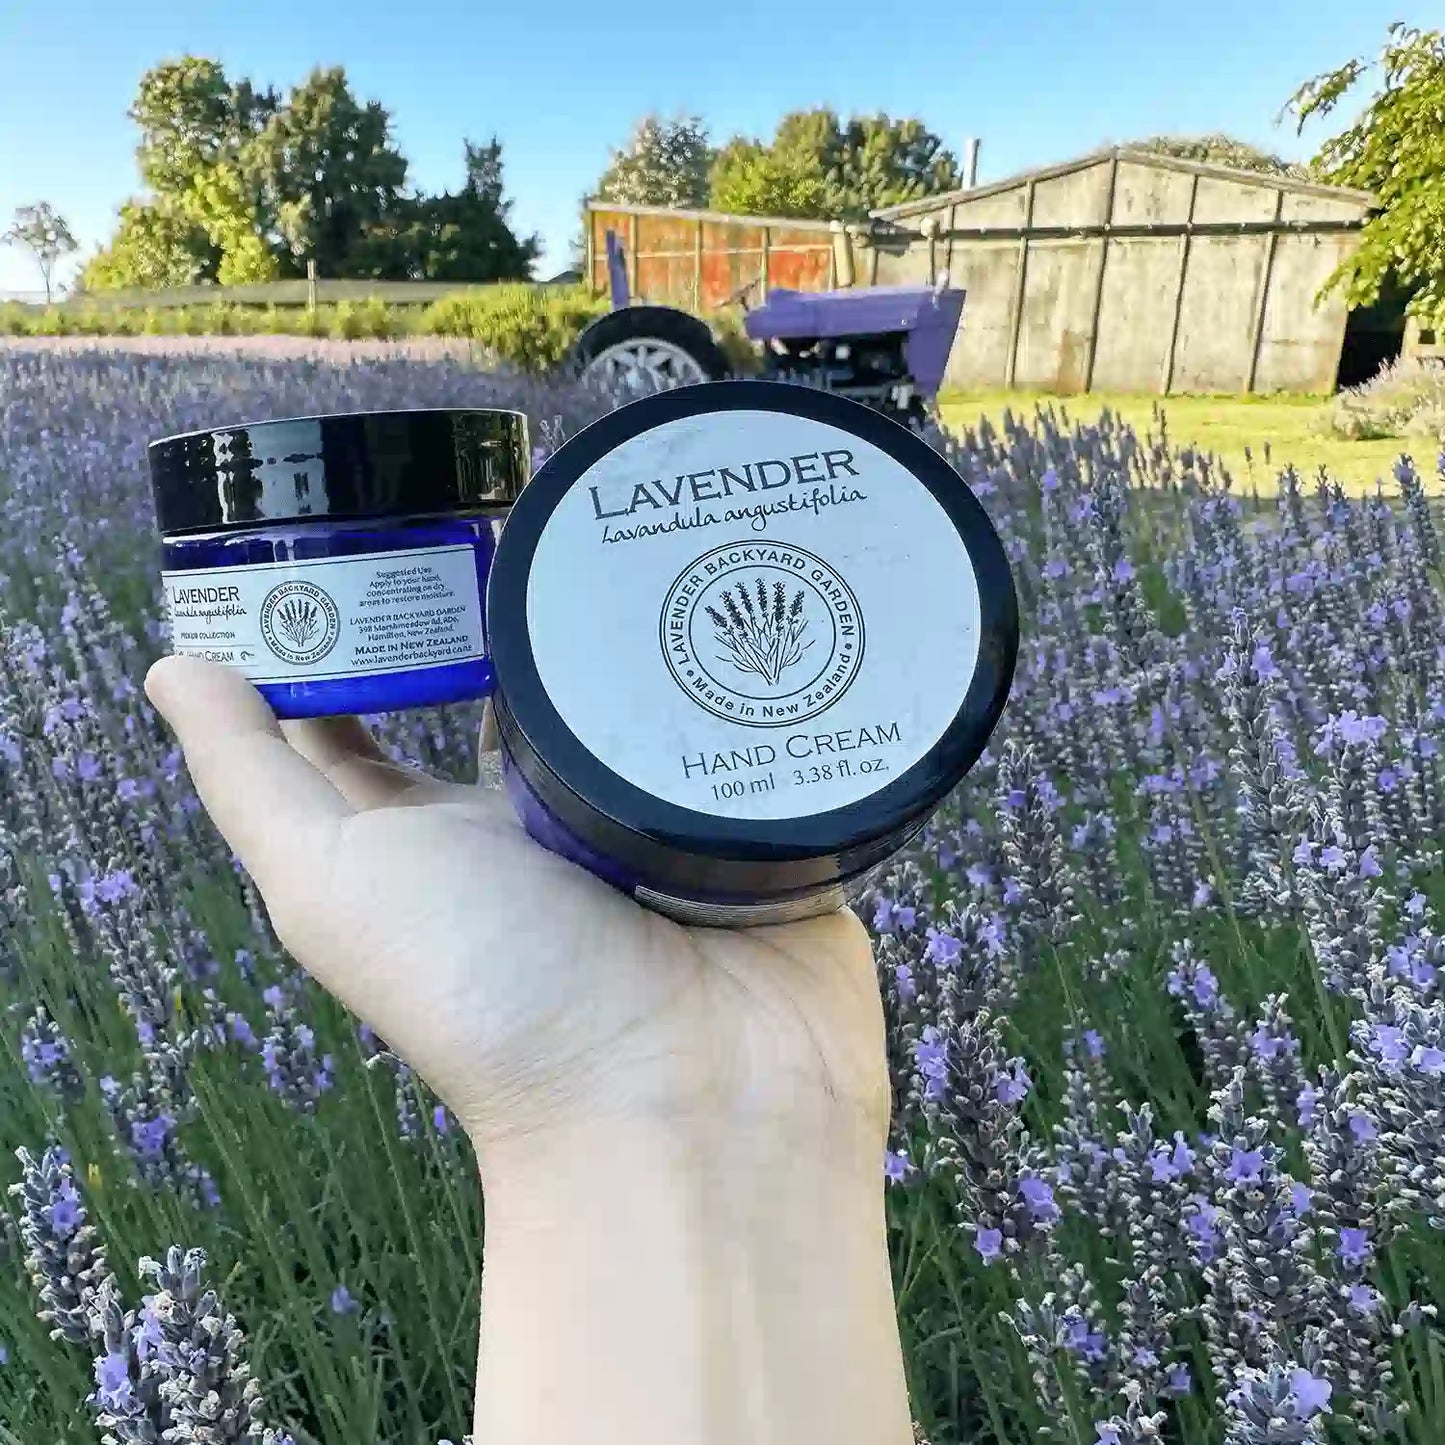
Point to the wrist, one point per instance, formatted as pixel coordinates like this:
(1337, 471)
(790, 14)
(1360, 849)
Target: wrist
(698, 1282)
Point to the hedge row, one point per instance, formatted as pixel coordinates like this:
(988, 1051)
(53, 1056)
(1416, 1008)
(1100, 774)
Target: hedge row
(529, 327)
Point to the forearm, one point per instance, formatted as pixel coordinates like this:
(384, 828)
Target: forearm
(689, 1285)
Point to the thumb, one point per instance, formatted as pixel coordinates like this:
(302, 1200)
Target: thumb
(278, 813)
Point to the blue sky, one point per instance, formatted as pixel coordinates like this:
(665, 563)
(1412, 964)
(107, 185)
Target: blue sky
(561, 81)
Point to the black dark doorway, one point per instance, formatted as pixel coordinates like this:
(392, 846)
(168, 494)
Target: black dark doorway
(1374, 336)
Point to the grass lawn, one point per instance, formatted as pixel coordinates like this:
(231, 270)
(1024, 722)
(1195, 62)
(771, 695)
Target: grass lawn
(1225, 425)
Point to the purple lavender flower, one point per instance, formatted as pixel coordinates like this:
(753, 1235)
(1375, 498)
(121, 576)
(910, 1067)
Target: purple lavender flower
(1083, 1341)
(289, 1057)
(890, 916)
(943, 948)
(1012, 1085)
(988, 1243)
(896, 1166)
(113, 1381)
(63, 1255)
(1312, 1394)
(1244, 1166)
(1202, 1224)
(46, 1053)
(1166, 1164)
(1354, 1246)
(1039, 1198)
(1428, 1059)
(1364, 1300)
(1389, 1043)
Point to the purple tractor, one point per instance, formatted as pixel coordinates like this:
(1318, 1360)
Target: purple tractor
(884, 346)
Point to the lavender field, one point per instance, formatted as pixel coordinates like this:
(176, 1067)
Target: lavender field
(1165, 1020)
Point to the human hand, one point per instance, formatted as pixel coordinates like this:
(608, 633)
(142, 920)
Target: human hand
(679, 1131)
(527, 993)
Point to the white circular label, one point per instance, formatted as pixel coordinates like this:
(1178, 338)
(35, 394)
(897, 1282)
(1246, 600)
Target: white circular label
(753, 614)
(299, 622)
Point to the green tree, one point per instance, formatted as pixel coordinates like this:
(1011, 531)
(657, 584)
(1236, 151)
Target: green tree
(223, 201)
(885, 162)
(245, 186)
(474, 240)
(1223, 150)
(192, 117)
(753, 179)
(204, 217)
(455, 236)
(1396, 148)
(664, 163)
(41, 230)
(155, 245)
(821, 166)
(327, 170)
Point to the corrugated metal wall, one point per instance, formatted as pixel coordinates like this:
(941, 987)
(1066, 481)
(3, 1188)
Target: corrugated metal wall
(702, 260)
(1122, 272)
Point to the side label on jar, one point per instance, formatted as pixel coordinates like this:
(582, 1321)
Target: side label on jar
(754, 614)
(331, 617)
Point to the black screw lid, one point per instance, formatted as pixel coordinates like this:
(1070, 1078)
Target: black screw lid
(685, 851)
(348, 465)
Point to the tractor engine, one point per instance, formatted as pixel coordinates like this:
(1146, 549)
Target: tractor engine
(884, 346)
(868, 369)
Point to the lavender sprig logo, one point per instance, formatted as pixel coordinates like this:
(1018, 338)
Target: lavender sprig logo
(763, 634)
(766, 639)
(300, 622)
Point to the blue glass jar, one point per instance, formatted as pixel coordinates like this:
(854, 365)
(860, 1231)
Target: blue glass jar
(748, 637)
(340, 562)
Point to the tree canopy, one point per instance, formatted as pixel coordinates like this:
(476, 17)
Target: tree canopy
(820, 165)
(41, 230)
(664, 163)
(1223, 150)
(453, 236)
(1396, 148)
(816, 164)
(244, 185)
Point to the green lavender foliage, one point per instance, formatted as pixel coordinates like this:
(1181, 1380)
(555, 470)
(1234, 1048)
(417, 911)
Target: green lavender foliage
(1124, 1021)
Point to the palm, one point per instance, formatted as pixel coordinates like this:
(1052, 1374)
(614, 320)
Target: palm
(522, 986)
(524, 990)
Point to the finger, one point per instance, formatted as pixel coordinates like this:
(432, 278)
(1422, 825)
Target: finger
(278, 813)
(344, 749)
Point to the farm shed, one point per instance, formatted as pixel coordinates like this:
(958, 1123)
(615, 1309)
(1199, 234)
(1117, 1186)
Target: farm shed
(1130, 271)
(1120, 271)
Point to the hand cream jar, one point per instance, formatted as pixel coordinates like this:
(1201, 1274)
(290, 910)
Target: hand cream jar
(747, 636)
(340, 562)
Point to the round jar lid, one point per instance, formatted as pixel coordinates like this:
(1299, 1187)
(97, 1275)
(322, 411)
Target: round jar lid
(345, 466)
(748, 635)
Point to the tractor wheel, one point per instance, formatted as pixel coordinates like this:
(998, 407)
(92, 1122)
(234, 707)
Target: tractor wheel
(643, 349)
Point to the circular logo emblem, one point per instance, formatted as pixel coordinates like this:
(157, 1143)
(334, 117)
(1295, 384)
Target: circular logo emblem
(299, 622)
(763, 634)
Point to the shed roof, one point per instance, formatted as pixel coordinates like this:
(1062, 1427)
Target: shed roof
(1366, 199)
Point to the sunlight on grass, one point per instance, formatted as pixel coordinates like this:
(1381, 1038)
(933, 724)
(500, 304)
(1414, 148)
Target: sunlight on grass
(1225, 425)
